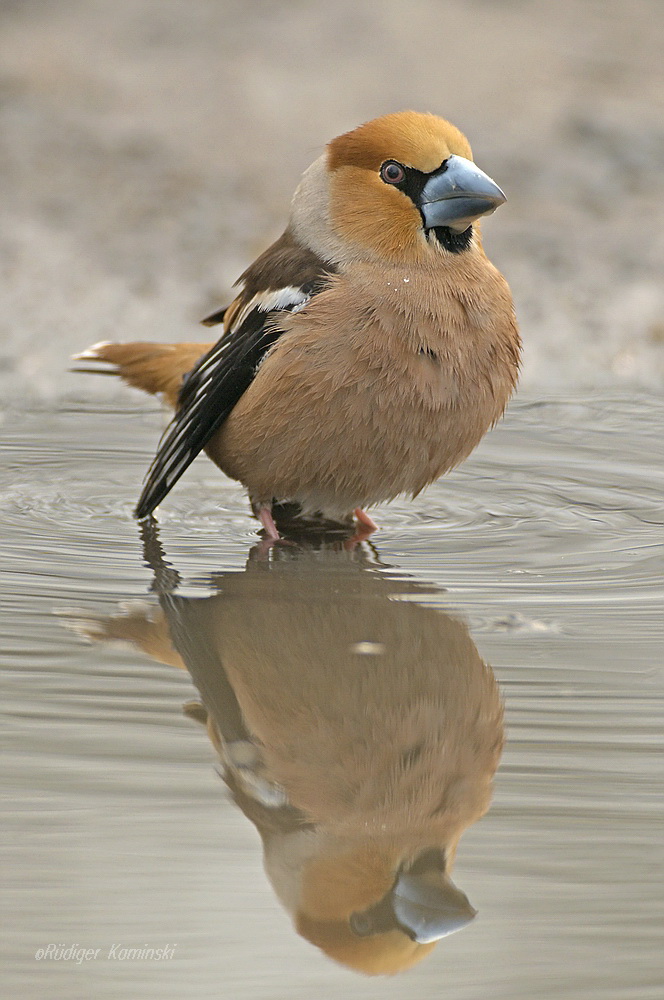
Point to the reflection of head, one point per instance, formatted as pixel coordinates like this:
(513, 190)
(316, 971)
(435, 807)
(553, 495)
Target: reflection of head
(384, 954)
(351, 910)
(359, 730)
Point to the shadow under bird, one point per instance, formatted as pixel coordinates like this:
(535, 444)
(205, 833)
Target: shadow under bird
(358, 732)
(369, 348)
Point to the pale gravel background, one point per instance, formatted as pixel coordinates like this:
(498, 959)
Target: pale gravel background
(149, 149)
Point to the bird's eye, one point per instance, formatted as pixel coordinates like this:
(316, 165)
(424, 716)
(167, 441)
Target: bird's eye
(392, 172)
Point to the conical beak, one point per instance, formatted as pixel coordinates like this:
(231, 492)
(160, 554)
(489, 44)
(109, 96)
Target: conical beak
(428, 906)
(457, 194)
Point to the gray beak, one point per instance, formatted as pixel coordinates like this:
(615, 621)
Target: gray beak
(458, 194)
(429, 906)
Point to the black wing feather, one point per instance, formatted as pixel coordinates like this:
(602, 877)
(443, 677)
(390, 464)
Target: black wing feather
(214, 318)
(208, 395)
(219, 379)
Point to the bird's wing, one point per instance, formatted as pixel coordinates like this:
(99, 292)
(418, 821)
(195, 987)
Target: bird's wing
(284, 278)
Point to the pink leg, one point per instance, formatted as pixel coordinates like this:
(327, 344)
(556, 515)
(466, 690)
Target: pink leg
(365, 528)
(364, 519)
(266, 519)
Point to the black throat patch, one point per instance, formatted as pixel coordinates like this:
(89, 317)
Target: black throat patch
(454, 242)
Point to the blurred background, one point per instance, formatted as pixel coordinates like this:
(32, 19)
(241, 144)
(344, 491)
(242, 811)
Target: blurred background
(148, 150)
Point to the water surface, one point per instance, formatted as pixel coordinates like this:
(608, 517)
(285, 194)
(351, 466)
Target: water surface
(543, 551)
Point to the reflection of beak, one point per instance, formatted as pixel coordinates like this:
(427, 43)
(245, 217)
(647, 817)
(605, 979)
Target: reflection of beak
(457, 194)
(428, 906)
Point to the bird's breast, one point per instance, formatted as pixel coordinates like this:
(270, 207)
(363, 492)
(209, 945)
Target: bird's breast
(362, 399)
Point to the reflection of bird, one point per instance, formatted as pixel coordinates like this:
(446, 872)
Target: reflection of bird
(358, 732)
(370, 347)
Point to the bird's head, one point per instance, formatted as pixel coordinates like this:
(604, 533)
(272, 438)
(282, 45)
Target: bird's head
(376, 911)
(400, 189)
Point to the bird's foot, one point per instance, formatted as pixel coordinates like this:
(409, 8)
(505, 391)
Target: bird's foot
(365, 528)
(365, 521)
(269, 527)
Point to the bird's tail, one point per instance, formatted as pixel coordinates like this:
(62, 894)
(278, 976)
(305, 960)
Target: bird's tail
(154, 368)
(137, 623)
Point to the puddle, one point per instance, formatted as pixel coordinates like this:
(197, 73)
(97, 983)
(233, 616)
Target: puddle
(221, 751)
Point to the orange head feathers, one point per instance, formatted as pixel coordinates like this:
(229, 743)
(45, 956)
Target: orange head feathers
(417, 140)
(390, 182)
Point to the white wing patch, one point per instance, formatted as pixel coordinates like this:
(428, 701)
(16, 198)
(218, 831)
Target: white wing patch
(289, 297)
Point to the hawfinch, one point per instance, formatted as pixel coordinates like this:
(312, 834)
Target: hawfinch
(368, 350)
(358, 733)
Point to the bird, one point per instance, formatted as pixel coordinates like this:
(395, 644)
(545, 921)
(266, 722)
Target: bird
(357, 732)
(368, 349)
